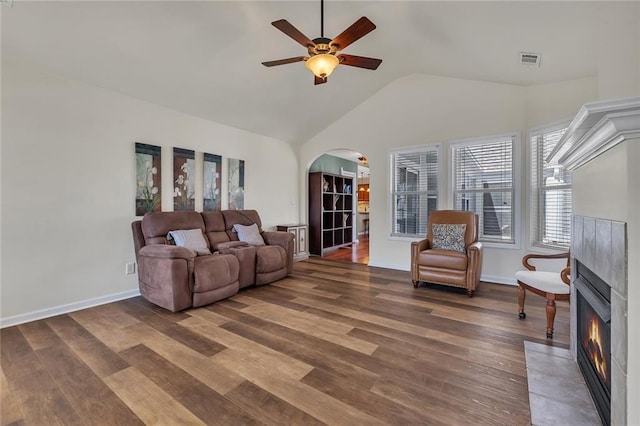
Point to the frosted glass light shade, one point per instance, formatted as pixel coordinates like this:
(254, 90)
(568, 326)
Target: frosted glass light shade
(322, 65)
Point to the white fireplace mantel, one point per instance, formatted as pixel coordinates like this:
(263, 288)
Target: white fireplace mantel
(597, 127)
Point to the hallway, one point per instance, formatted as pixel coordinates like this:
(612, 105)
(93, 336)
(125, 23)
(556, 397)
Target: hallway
(357, 253)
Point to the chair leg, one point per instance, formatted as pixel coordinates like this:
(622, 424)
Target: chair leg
(551, 316)
(415, 284)
(470, 293)
(521, 296)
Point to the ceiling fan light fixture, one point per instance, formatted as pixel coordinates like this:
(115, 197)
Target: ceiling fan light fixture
(322, 64)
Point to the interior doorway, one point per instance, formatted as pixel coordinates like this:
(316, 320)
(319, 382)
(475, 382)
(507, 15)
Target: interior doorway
(354, 167)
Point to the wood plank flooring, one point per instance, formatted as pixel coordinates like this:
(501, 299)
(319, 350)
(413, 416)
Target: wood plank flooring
(356, 253)
(334, 343)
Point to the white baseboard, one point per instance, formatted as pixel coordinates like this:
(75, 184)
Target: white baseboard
(486, 278)
(390, 266)
(64, 309)
(498, 280)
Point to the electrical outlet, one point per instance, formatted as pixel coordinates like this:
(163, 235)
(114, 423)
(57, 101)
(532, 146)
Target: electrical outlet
(130, 268)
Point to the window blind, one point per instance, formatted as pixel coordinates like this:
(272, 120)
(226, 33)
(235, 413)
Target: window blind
(483, 176)
(414, 190)
(550, 223)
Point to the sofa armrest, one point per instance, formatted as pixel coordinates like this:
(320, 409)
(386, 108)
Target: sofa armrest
(165, 275)
(165, 251)
(283, 239)
(416, 248)
(280, 238)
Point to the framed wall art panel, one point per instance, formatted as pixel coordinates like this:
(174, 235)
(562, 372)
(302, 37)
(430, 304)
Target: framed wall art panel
(236, 184)
(184, 169)
(148, 179)
(212, 181)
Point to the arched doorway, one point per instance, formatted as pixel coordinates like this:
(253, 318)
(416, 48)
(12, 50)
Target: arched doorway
(339, 229)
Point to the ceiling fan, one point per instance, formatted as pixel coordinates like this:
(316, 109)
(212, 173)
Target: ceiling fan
(324, 54)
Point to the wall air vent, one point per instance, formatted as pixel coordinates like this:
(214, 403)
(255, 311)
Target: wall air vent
(529, 59)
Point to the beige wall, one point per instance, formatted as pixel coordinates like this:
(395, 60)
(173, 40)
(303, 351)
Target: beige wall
(618, 50)
(421, 109)
(68, 186)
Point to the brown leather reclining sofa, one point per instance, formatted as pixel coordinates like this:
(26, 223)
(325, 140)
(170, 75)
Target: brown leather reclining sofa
(177, 278)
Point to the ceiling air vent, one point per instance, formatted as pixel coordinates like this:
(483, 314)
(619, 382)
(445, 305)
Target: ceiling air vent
(529, 59)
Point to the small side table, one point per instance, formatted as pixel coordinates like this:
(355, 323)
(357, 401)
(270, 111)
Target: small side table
(300, 250)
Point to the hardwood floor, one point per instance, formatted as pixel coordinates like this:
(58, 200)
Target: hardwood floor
(335, 343)
(357, 253)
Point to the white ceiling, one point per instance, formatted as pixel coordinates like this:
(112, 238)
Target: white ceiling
(203, 58)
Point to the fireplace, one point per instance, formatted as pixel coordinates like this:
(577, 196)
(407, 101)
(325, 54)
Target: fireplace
(594, 337)
(601, 148)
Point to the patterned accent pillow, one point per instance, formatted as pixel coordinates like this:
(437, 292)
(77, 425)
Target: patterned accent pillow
(449, 237)
(249, 234)
(191, 239)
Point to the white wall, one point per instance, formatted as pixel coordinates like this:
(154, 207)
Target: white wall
(68, 186)
(421, 109)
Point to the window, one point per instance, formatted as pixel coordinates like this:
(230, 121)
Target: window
(414, 189)
(483, 182)
(550, 192)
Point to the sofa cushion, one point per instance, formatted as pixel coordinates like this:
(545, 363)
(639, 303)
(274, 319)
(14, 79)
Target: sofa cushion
(249, 234)
(449, 237)
(215, 271)
(215, 229)
(155, 226)
(191, 239)
(270, 258)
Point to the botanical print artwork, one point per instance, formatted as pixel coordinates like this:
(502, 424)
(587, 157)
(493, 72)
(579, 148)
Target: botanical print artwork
(212, 181)
(236, 184)
(148, 182)
(184, 168)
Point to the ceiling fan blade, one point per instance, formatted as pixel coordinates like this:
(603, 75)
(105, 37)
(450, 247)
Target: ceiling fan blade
(319, 80)
(284, 26)
(358, 29)
(284, 61)
(360, 61)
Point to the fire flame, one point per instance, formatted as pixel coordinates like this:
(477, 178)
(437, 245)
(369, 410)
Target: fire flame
(594, 347)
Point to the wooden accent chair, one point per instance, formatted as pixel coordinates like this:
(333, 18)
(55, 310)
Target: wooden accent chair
(550, 285)
(441, 260)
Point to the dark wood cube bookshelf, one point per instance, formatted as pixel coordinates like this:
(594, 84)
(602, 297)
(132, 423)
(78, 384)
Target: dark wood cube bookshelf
(330, 212)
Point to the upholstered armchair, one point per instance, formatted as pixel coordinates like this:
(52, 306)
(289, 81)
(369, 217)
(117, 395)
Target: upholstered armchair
(451, 254)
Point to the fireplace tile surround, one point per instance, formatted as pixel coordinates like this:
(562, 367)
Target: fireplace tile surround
(601, 245)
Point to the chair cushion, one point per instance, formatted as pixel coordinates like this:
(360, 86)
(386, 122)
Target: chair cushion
(549, 282)
(446, 259)
(449, 237)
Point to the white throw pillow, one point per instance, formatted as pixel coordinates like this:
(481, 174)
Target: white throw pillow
(249, 234)
(191, 239)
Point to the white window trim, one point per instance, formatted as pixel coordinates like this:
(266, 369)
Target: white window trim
(390, 172)
(530, 246)
(516, 179)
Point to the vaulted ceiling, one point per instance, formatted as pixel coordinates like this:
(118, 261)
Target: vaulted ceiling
(204, 58)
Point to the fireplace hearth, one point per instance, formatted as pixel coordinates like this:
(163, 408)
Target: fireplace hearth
(594, 337)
